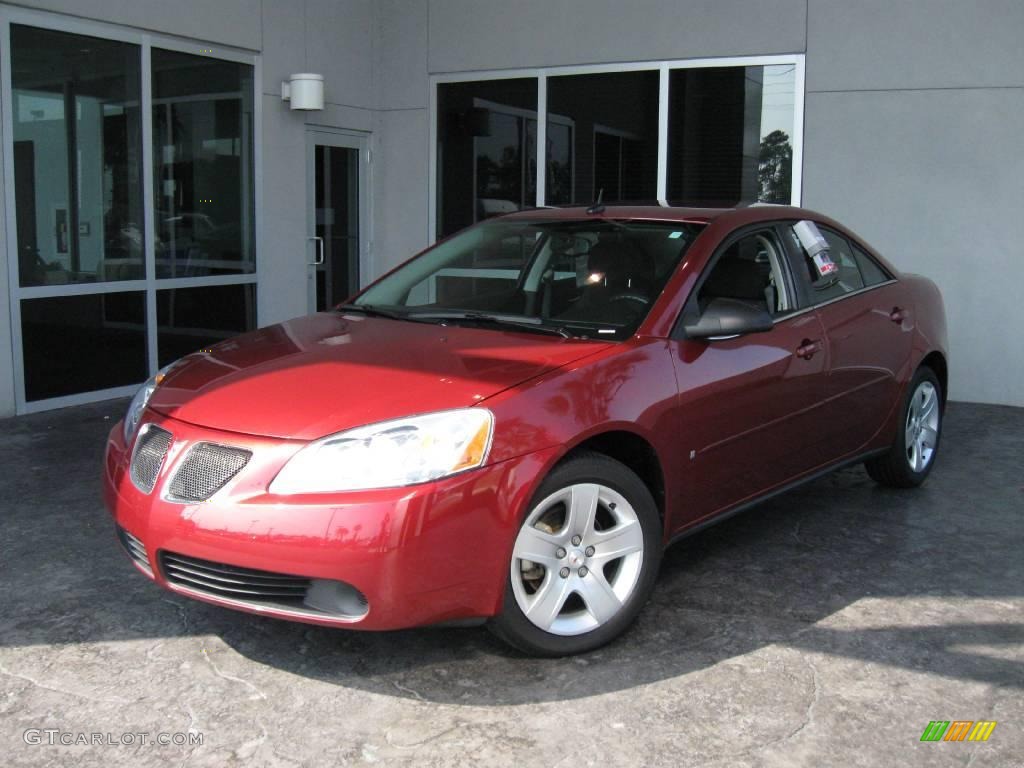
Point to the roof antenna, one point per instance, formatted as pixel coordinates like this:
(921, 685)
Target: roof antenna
(598, 206)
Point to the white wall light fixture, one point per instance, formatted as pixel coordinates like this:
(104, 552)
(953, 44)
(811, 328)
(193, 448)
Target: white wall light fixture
(304, 90)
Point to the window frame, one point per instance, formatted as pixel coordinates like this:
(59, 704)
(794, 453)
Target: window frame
(663, 67)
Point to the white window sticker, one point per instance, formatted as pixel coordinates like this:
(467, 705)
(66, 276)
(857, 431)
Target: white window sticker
(814, 243)
(824, 264)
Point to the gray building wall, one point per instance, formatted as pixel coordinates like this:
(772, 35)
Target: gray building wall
(912, 110)
(913, 138)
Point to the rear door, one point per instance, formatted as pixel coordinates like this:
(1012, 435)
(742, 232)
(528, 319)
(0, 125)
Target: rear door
(868, 323)
(749, 407)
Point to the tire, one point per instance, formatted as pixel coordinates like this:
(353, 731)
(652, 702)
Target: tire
(567, 597)
(912, 455)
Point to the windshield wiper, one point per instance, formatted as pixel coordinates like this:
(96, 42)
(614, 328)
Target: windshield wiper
(513, 321)
(372, 311)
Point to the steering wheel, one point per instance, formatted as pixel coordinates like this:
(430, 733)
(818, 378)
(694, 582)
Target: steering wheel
(645, 300)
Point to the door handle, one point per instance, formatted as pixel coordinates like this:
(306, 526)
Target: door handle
(808, 349)
(319, 258)
(898, 315)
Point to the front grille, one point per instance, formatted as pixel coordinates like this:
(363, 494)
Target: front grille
(229, 581)
(205, 470)
(135, 548)
(147, 458)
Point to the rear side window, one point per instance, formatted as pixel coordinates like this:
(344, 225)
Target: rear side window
(844, 279)
(829, 265)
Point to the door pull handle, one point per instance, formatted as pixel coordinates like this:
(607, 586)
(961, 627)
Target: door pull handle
(808, 349)
(898, 315)
(319, 258)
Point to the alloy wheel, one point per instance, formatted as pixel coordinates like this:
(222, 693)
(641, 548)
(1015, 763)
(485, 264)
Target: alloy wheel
(922, 428)
(577, 559)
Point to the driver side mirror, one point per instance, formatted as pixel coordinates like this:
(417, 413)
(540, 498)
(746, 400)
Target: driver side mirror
(729, 317)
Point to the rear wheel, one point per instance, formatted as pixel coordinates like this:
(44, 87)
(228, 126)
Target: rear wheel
(584, 561)
(912, 454)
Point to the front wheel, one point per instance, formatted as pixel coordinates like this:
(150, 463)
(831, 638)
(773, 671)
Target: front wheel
(912, 455)
(584, 561)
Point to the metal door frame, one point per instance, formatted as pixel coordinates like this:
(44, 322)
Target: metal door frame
(344, 139)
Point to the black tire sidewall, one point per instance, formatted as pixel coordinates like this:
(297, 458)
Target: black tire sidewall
(514, 627)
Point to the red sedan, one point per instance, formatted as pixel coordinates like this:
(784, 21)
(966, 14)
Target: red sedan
(511, 426)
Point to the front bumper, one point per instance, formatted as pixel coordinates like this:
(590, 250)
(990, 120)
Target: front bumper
(422, 554)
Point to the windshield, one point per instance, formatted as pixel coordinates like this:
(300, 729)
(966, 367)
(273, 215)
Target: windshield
(595, 279)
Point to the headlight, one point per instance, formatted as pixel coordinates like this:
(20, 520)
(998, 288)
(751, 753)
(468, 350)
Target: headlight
(138, 403)
(390, 454)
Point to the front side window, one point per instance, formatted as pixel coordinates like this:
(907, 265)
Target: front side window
(750, 270)
(594, 279)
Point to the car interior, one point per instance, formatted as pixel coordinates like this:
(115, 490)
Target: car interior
(595, 275)
(749, 270)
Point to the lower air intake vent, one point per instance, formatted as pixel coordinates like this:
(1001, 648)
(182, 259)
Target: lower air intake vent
(264, 589)
(150, 449)
(230, 581)
(205, 470)
(135, 549)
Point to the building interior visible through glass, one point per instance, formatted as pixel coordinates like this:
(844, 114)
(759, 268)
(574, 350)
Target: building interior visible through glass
(728, 140)
(202, 139)
(80, 206)
(203, 217)
(93, 158)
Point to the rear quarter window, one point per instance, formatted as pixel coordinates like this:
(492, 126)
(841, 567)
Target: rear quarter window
(872, 273)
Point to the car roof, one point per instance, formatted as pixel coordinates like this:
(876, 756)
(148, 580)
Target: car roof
(740, 214)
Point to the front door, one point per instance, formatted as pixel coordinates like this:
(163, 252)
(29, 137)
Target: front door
(749, 405)
(337, 221)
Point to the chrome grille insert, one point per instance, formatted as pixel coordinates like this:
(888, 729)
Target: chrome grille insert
(205, 470)
(148, 456)
(135, 548)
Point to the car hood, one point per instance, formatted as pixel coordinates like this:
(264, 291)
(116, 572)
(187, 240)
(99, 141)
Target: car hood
(324, 373)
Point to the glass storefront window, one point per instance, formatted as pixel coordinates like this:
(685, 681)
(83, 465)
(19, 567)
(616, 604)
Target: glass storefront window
(193, 318)
(77, 344)
(81, 205)
(730, 134)
(602, 135)
(77, 158)
(486, 153)
(729, 137)
(203, 156)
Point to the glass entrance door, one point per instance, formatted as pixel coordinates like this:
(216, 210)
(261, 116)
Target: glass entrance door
(337, 220)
